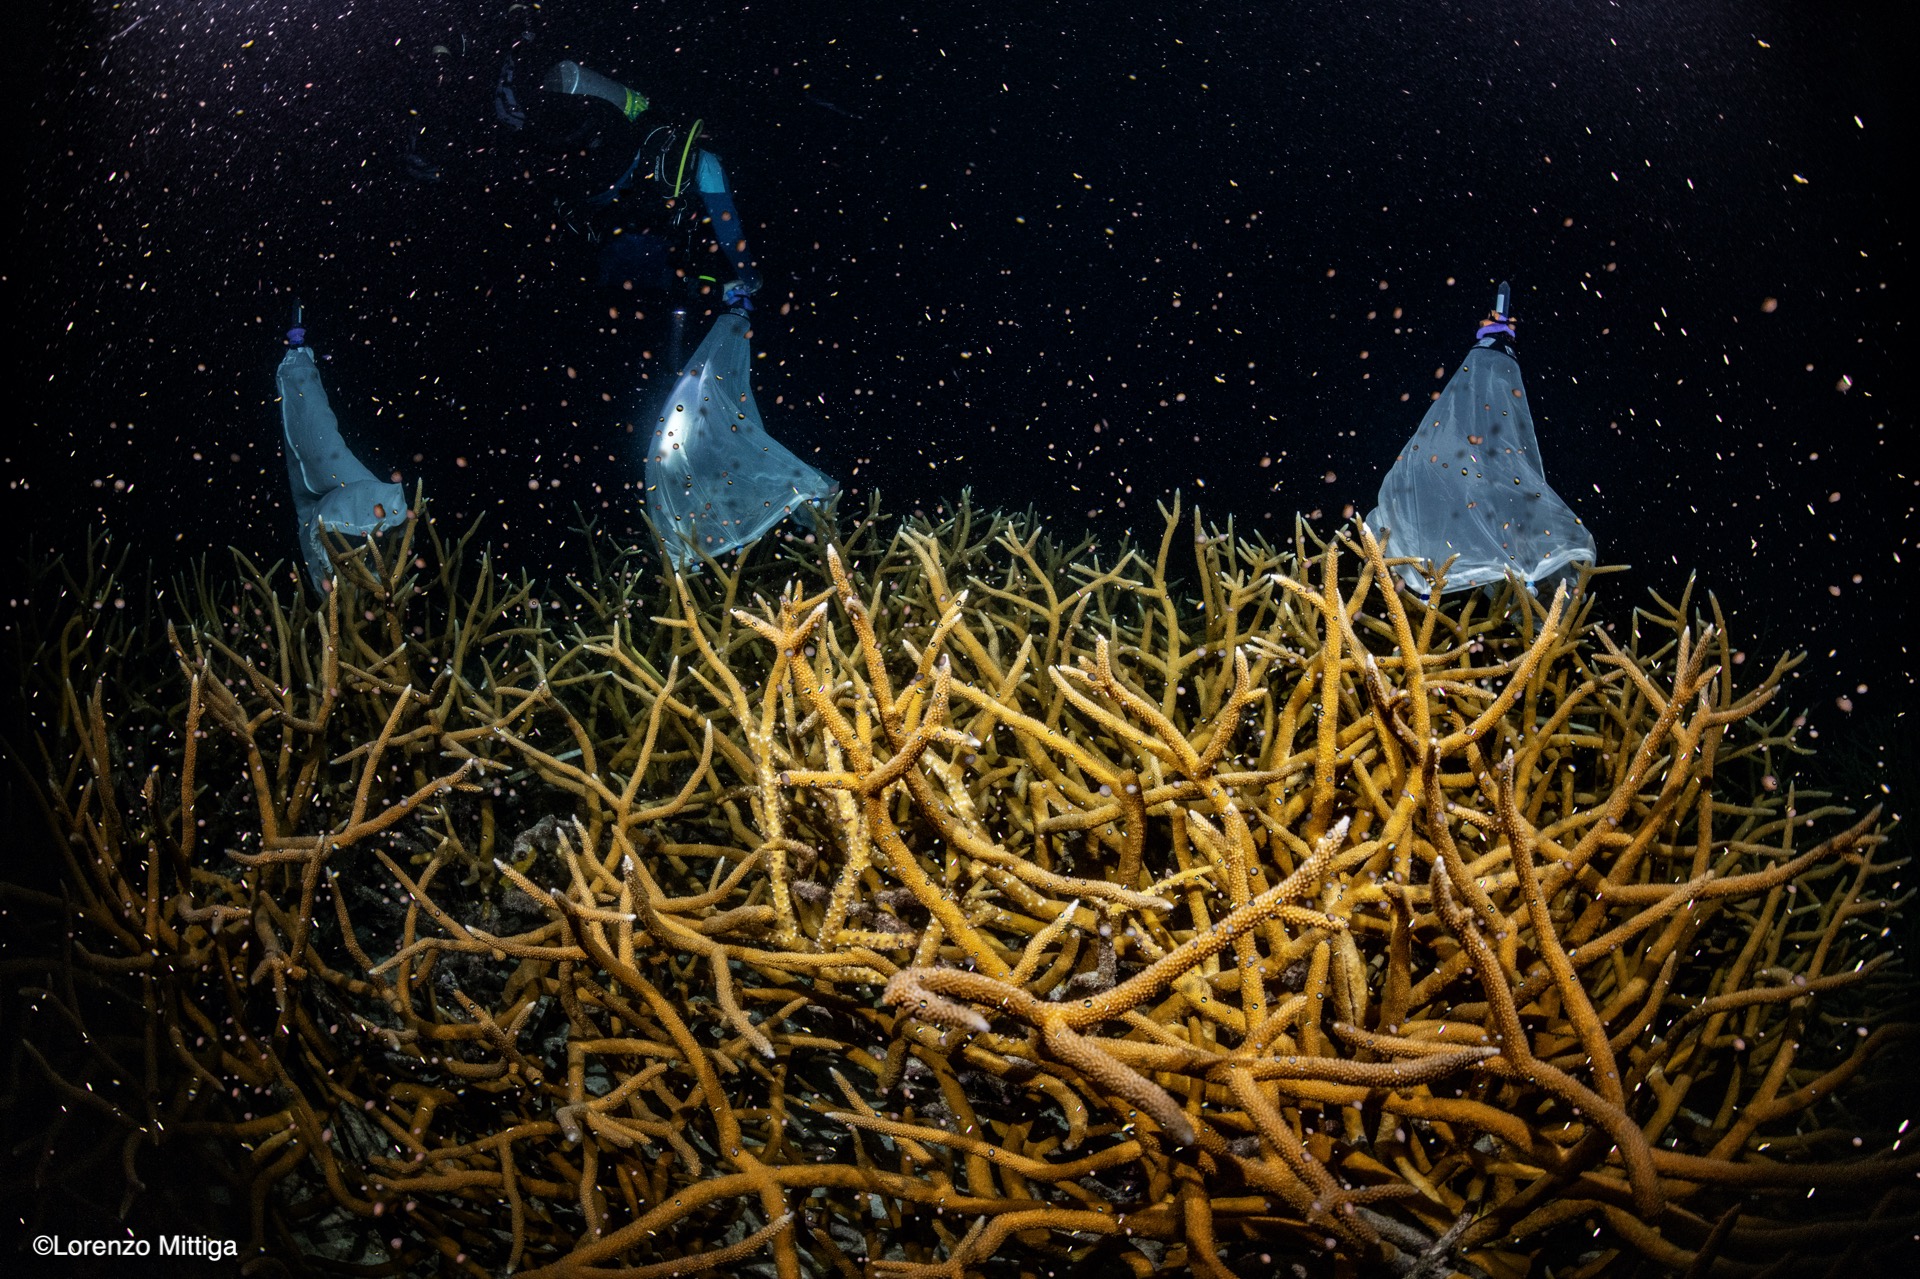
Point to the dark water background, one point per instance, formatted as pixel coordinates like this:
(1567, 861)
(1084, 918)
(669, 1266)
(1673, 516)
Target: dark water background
(1073, 255)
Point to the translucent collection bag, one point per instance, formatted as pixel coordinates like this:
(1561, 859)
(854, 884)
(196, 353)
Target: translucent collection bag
(331, 489)
(715, 479)
(1469, 486)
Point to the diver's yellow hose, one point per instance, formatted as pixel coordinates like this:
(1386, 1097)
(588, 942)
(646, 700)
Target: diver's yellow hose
(686, 149)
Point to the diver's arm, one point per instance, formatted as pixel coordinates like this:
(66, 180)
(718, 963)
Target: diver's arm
(710, 179)
(571, 77)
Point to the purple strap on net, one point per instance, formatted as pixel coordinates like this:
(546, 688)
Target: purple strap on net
(296, 335)
(1488, 330)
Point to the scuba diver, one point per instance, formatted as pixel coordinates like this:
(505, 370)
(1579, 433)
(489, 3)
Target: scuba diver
(653, 198)
(656, 200)
(332, 490)
(671, 188)
(716, 481)
(644, 192)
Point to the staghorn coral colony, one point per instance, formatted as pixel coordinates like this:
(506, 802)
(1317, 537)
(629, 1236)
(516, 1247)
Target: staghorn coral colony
(943, 901)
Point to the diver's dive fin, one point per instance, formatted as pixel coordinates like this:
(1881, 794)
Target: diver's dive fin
(418, 166)
(506, 102)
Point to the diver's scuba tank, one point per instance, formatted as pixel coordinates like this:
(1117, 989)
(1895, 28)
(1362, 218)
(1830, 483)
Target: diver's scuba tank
(571, 77)
(297, 335)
